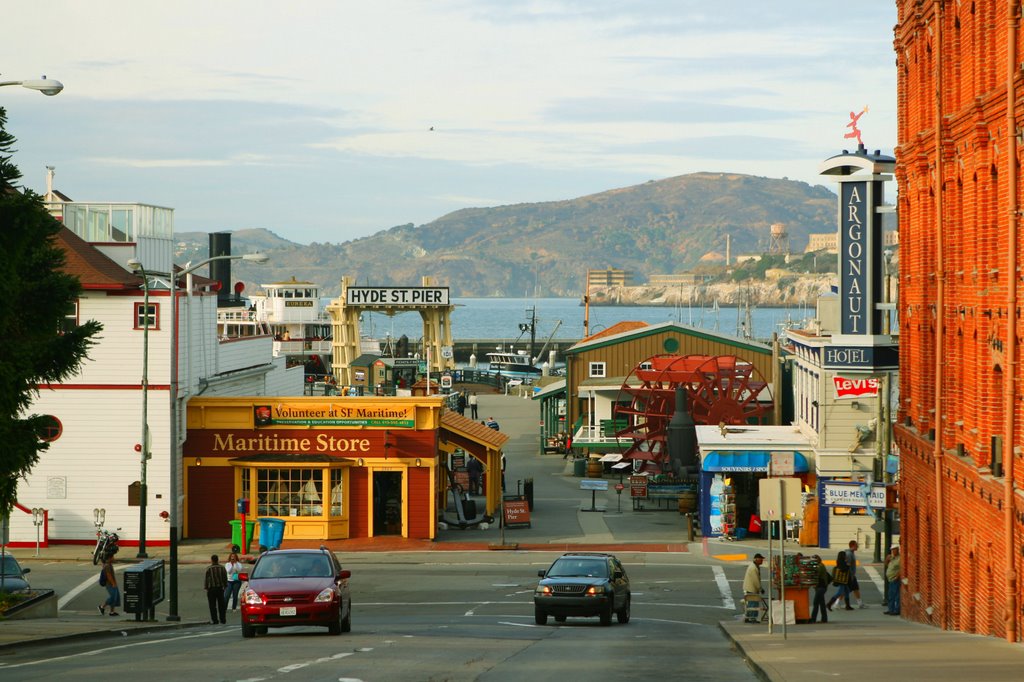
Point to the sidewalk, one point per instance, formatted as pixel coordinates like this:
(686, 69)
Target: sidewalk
(862, 644)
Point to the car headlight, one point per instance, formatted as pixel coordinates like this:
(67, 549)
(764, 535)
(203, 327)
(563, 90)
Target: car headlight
(543, 589)
(250, 597)
(327, 594)
(596, 590)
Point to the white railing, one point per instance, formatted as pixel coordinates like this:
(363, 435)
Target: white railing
(592, 434)
(299, 347)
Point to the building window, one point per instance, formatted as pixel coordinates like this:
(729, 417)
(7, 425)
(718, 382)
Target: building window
(296, 492)
(144, 316)
(597, 370)
(51, 428)
(70, 319)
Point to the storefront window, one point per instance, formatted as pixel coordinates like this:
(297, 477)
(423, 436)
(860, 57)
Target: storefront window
(290, 492)
(336, 492)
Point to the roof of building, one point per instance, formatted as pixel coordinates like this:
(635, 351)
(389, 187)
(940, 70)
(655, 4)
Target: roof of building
(473, 430)
(93, 268)
(617, 328)
(619, 335)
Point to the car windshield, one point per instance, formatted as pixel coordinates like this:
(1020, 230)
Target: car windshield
(293, 566)
(591, 568)
(10, 566)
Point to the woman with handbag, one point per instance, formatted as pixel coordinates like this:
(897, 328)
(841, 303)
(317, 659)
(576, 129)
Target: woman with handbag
(841, 579)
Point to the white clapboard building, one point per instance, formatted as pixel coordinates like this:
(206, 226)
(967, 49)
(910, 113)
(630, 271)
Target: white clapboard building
(94, 461)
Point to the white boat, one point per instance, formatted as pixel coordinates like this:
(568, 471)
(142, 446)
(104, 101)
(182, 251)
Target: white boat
(294, 315)
(513, 364)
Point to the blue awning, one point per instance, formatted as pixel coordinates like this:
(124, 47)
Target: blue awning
(747, 461)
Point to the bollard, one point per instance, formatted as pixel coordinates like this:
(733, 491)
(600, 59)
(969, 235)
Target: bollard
(689, 527)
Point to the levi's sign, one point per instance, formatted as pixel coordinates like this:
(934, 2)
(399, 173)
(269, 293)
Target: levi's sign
(410, 297)
(856, 388)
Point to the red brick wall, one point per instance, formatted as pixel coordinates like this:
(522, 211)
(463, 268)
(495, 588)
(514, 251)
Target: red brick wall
(958, 401)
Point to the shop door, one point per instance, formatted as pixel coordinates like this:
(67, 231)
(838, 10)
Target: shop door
(387, 503)
(210, 502)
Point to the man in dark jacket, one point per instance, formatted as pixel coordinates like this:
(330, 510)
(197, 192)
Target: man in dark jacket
(215, 582)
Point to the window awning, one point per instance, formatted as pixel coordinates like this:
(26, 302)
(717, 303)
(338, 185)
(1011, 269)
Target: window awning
(747, 461)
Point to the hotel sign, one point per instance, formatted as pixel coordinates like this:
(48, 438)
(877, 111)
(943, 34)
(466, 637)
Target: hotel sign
(335, 414)
(397, 297)
(863, 358)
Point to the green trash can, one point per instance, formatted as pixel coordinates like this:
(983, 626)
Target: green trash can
(579, 467)
(236, 533)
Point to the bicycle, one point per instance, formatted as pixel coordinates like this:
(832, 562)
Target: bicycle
(106, 543)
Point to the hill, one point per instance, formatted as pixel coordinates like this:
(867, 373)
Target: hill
(659, 227)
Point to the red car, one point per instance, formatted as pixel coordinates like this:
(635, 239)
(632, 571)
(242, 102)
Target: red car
(296, 587)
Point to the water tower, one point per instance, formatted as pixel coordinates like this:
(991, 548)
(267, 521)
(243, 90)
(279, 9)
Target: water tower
(778, 239)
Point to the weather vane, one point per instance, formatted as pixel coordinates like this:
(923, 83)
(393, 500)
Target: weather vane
(852, 125)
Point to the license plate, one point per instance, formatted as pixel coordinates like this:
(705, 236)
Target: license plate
(287, 610)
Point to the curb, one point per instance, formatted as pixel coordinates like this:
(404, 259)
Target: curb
(751, 663)
(96, 634)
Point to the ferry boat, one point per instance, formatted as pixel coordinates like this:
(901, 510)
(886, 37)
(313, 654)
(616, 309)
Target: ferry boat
(513, 364)
(293, 313)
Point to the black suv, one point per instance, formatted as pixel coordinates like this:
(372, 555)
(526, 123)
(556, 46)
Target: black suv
(582, 584)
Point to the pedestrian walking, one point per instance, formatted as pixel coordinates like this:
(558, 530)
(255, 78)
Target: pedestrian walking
(841, 579)
(851, 560)
(820, 588)
(473, 404)
(752, 589)
(503, 472)
(109, 580)
(233, 567)
(460, 403)
(215, 582)
(892, 575)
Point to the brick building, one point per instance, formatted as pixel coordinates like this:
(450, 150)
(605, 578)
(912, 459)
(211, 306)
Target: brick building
(961, 410)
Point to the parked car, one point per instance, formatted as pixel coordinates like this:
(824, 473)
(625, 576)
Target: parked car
(296, 587)
(13, 575)
(583, 584)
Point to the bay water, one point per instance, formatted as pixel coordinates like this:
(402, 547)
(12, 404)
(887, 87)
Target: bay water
(499, 318)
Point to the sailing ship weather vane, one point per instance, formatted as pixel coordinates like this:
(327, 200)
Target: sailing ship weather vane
(852, 125)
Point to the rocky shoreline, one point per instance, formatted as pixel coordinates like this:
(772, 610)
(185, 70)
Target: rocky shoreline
(782, 292)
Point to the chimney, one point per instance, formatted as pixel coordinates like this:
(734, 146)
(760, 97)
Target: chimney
(220, 270)
(682, 438)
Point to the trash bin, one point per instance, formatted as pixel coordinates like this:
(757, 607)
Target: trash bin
(271, 533)
(528, 492)
(236, 533)
(469, 509)
(579, 468)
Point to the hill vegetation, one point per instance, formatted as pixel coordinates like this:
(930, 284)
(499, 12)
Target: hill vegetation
(659, 227)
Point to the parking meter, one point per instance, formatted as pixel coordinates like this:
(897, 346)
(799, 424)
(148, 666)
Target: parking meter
(38, 518)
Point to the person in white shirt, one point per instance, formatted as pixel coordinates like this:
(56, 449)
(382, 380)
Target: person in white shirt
(233, 567)
(752, 587)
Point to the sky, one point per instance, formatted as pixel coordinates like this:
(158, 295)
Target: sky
(326, 121)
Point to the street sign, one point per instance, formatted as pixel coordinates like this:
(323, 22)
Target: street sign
(779, 498)
(782, 464)
(446, 381)
(593, 484)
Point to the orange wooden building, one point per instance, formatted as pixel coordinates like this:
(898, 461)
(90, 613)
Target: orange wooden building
(330, 467)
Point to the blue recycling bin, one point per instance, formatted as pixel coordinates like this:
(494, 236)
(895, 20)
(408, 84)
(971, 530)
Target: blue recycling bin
(271, 532)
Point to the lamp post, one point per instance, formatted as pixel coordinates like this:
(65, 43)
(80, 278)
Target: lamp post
(136, 267)
(43, 85)
(172, 592)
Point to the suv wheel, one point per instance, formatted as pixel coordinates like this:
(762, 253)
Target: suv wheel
(606, 615)
(539, 617)
(623, 613)
(248, 630)
(335, 627)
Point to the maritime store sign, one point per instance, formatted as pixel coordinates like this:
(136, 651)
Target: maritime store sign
(409, 297)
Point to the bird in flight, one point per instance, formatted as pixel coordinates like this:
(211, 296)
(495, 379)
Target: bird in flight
(431, 127)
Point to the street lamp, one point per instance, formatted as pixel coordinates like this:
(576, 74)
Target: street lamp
(43, 85)
(137, 268)
(172, 592)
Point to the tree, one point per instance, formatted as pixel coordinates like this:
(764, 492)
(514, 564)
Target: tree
(35, 296)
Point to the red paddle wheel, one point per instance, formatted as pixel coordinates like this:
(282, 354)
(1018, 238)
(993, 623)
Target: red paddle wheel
(722, 388)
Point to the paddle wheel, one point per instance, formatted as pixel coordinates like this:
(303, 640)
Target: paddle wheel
(719, 389)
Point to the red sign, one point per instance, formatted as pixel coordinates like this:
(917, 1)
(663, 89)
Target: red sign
(638, 486)
(856, 388)
(517, 513)
(619, 487)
